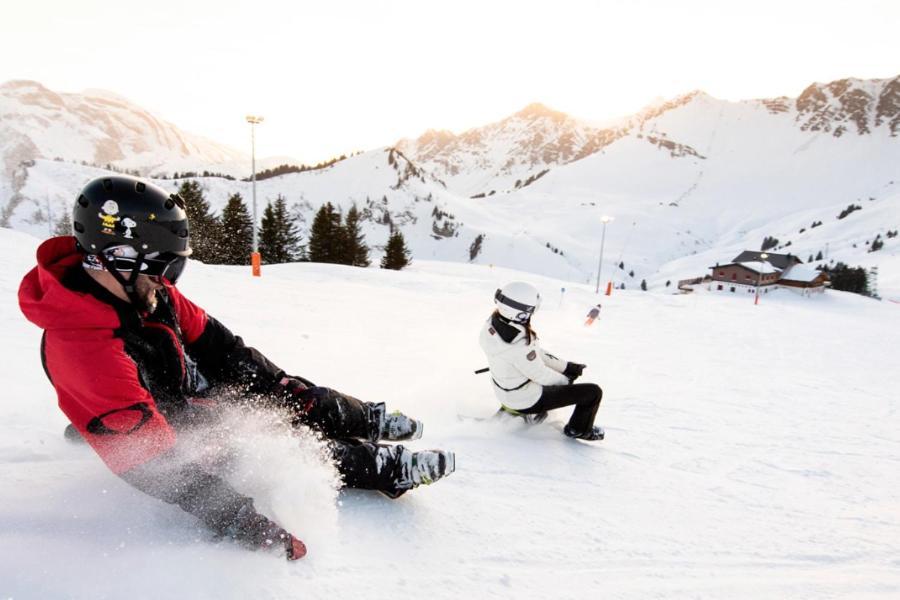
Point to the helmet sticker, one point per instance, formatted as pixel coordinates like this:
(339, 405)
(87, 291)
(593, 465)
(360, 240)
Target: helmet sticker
(128, 224)
(108, 217)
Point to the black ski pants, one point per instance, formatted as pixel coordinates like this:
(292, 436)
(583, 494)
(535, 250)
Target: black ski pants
(353, 427)
(584, 396)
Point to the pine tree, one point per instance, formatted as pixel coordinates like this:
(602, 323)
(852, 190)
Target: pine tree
(396, 255)
(203, 224)
(356, 252)
(279, 241)
(237, 232)
(63, 225)
(326, 236)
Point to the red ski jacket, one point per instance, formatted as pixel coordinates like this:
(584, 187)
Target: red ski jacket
(96, 380)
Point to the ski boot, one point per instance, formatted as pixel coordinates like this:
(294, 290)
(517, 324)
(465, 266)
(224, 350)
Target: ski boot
(394, 427)
(422, 468)
(594, 435)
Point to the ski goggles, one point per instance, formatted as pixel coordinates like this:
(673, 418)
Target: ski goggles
(163, 267)
(523, 308)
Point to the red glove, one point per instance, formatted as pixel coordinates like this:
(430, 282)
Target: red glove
(293, 547)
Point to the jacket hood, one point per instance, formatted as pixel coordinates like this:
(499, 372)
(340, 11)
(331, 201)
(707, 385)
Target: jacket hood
(47, 303)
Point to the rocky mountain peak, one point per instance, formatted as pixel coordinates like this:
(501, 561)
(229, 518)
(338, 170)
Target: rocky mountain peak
(850, 105)
(536, 110)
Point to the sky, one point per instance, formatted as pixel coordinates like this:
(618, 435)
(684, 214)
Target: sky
(347, 75)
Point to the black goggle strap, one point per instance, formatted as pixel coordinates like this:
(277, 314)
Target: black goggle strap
(127, 284)
(525, 308)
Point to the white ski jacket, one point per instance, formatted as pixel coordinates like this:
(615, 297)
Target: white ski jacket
(519, 370)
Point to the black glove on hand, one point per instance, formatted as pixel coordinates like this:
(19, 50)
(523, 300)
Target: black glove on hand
(573, 371)
(295, 393)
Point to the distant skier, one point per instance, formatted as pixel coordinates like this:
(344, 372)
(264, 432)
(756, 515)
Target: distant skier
(134, 364)
(592, 315)
(527, 380)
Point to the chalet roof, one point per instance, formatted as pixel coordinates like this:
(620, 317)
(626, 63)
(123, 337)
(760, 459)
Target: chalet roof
(760, 267)
(766, 268)
(780, 261)
(804, 273)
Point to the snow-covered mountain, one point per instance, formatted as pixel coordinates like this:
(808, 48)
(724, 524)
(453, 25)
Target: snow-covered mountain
(513, 152)
(509, 154)
(99, 127)
(690, 182)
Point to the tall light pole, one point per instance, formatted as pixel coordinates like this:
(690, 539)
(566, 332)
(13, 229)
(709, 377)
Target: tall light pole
(762, 258)
(254, 257)
(605, 220)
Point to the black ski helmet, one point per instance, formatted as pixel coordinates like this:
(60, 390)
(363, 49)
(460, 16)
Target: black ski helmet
(122, 210)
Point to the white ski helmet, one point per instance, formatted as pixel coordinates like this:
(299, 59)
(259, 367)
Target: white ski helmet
(517, 301)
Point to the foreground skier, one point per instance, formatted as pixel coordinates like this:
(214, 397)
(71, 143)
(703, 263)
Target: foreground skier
(134, 363)
(527, 380)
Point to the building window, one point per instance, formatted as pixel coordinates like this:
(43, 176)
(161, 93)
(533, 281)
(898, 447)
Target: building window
(734, 277)
(721, 273)
(719, 287)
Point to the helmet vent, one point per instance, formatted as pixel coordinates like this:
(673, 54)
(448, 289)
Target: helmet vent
(107, 184)
(140, 187)
(170, 204)
(83, 201)
(79, 227)
(178, 200)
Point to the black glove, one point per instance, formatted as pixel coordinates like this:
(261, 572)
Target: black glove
(295, 393)
(573, 371)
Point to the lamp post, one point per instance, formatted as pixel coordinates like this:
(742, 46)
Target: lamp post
(762, 258)
(254, 256)
(605, 220)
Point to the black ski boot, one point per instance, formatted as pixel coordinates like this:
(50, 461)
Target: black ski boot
(397, 427)
(594, 435)
(422, 468)
(393, 427)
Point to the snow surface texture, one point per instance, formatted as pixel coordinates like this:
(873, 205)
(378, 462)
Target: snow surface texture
(751, 451)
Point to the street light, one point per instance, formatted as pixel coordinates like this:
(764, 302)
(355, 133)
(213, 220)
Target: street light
(605, 220)
(762, 258)
(254, 256)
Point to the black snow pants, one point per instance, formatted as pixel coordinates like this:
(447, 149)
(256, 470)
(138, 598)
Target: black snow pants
(353, 427)
(584, 396)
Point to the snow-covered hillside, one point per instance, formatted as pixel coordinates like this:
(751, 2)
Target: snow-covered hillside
(99, 127)
(690, 183)
(751, 451)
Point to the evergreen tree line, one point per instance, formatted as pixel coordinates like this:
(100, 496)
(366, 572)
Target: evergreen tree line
(228, 239)
(338, 239)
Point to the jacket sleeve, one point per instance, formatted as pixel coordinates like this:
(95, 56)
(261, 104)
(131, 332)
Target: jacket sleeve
(222, 356)
(528, 360)
(99, 389)
(224, 359)
(557, 364)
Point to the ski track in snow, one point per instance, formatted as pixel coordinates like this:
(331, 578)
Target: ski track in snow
(751, 451)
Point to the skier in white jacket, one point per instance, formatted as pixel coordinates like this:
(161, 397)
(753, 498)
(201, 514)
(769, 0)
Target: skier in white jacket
(527, 380)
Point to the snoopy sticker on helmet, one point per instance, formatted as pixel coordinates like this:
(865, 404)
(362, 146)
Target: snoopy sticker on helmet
(128, 224)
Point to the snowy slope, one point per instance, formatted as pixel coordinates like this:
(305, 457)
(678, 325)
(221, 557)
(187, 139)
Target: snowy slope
(751, 451)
